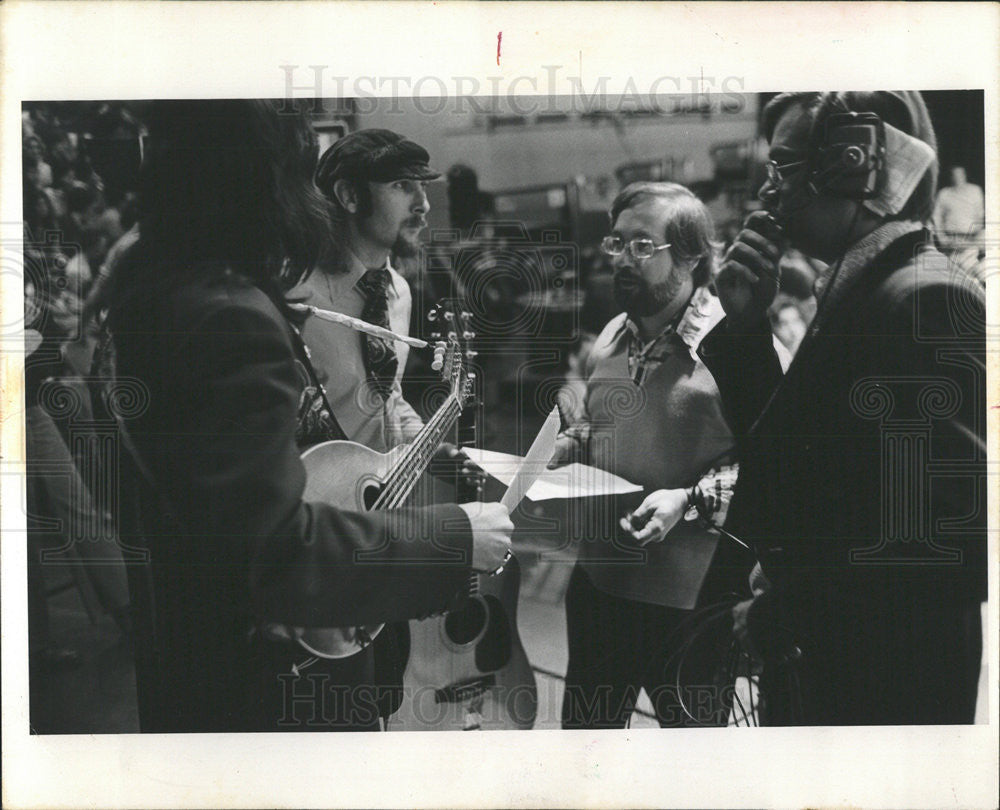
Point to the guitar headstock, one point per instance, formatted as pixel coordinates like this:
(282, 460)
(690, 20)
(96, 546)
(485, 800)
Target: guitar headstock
(453, 354)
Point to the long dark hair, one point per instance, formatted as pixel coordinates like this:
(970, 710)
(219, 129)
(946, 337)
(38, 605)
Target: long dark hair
(225, 184)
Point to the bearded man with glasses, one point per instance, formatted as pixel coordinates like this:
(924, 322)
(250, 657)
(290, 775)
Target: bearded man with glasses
(653, 415)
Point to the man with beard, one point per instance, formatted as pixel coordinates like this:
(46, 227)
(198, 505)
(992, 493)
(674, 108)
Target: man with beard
(653, 415)
(375, 181)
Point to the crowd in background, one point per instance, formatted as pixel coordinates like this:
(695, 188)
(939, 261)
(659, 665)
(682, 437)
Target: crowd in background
(74, 219)
(73, 215)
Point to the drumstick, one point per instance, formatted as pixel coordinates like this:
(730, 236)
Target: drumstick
(359, 325)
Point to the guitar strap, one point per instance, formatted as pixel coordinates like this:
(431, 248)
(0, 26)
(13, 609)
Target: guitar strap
(335, 431)
(392, 648)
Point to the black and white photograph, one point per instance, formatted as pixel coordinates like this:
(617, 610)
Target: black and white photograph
(624, 412)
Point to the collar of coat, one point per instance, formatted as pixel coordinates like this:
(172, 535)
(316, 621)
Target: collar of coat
(702, 313)
(864, 253)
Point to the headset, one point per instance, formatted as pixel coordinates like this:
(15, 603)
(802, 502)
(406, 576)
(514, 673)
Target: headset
(849, 160)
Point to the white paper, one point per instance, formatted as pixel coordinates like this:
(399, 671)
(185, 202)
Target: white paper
(579, 481)
(534, 463)
(570, 481)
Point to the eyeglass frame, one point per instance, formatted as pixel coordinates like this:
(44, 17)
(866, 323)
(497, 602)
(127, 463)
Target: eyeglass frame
(774, 170)
(627, 247)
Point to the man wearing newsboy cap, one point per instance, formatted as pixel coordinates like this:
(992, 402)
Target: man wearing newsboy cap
(376, 182)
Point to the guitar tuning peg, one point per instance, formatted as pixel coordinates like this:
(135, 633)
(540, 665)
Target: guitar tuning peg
(438, 362)
(432, 315)
(470, 377)
(449, 316)
(453, 336)
(469, 354)
(467, 335)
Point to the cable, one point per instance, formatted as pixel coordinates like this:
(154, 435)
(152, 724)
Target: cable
(832, 275)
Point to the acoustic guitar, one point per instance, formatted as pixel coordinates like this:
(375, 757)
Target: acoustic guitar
(352, 476)
(469, 663)
(468, 669)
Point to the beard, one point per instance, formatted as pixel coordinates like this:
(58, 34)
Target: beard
(407, 244)
(639, 298)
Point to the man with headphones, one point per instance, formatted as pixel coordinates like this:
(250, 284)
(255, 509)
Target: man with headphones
(862, 481)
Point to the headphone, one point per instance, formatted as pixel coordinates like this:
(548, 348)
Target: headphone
(849, 160)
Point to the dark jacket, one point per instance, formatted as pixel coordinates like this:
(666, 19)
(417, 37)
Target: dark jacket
(231, 542)
(862, 484)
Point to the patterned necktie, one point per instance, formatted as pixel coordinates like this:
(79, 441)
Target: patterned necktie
(379, 355)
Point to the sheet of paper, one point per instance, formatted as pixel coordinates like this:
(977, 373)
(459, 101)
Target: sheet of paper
(501, 466)
(534, 462)
(571, 481)
(578, 481)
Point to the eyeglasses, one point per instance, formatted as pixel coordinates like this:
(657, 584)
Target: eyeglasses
(776, 173)
(638, 249)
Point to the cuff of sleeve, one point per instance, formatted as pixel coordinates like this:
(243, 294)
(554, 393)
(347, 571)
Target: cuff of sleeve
(720, 340)
(431, 558)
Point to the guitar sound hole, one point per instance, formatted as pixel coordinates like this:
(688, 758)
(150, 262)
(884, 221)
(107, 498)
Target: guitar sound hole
(464, 625)
(370, 495)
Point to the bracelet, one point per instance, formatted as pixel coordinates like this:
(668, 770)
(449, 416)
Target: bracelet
(694, 498)
(503, 564)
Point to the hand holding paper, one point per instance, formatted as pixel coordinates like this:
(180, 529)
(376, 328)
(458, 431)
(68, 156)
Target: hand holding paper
(534, 462)
(569, 481)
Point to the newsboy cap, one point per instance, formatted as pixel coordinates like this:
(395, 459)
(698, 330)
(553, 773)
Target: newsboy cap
(378, 155)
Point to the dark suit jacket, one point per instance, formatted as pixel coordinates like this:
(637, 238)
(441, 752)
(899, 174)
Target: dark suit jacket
(231, 542)
(862, 481)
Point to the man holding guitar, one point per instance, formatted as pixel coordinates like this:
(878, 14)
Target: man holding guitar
(212, 381)
(375, 181)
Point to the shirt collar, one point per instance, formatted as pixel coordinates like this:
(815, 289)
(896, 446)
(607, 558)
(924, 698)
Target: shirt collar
(702, 313)
(356, 269)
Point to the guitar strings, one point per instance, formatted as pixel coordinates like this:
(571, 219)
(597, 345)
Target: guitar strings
(403, 480)
(399, 488)
(408, 462)
(409, 483)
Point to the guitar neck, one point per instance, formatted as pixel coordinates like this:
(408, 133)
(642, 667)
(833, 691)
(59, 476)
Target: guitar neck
(413, 462)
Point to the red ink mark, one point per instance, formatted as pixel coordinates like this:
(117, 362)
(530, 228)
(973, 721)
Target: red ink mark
(499, 37)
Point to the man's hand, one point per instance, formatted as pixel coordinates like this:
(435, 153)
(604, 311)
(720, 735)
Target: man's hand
(565, 452)
(742, 631)
(452, 462)
(491, 530)
(758, 582)
(748, 279)
(656, 516)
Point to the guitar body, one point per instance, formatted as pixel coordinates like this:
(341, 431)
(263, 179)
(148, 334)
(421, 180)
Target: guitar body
(347, 475)
(468, 669)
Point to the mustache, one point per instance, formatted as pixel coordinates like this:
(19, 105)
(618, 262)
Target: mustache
(626, 278)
